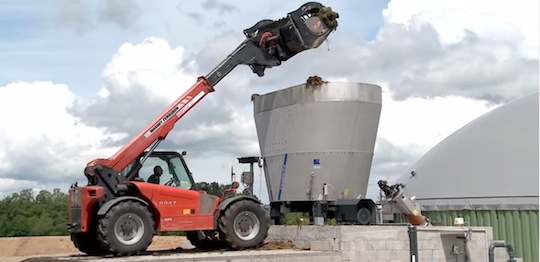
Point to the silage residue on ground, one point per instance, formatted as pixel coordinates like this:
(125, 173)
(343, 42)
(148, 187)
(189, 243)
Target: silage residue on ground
(278, 245)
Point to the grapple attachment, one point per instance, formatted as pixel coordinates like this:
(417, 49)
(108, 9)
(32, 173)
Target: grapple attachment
(270, 42)
(305, 28)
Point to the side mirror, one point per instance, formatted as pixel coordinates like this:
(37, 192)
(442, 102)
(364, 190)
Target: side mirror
(184, 153)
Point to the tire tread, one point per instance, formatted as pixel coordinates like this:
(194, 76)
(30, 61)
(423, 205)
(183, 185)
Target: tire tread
(87, 243)
(226, 232)
(107, 221)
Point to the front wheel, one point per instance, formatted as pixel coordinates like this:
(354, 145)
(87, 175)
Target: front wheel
(243, 225)
(127, 229)
(88, 244)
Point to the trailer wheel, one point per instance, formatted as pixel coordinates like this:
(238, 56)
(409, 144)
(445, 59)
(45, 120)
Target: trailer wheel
(127, 229)
(87, 243)
(243, 225)
(363, 216)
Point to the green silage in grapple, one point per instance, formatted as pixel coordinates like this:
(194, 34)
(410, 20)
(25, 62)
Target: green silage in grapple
(329, 17)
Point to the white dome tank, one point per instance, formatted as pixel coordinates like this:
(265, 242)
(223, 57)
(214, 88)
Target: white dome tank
(489, 164)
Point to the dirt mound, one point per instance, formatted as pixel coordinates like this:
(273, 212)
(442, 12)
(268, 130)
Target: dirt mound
(314, 81)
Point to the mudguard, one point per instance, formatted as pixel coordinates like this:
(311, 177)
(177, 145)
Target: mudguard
(227, 202)
(103, 210)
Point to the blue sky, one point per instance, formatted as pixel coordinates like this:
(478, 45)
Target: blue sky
(71, 43)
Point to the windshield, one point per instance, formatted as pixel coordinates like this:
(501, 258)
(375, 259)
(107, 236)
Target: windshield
(163, 169)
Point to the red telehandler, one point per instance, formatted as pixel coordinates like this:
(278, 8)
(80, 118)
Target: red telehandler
(118, 211)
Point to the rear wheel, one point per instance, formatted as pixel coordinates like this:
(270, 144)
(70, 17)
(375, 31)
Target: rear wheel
(87, 243)
(243, 225)
(127, 229)
(205, 240)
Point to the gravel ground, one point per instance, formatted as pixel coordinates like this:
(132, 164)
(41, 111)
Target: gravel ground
(32, 246)
(33, 249)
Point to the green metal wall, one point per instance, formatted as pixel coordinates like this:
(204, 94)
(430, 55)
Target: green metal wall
(516, 227)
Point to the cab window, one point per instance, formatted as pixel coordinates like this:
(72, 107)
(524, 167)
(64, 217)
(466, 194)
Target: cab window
(181, 173)
(173, 171)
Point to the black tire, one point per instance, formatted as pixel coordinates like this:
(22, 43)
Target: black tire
(87, 243)
(199, 240)
(133, 216)
(193, 237)
(364, 216)
(249, 217)
(277, 221)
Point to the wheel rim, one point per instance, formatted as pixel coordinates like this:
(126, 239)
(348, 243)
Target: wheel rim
(363, 216)
(129, 229)
(246, 225)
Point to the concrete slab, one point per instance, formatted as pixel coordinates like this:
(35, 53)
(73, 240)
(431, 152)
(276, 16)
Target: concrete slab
(229, 256)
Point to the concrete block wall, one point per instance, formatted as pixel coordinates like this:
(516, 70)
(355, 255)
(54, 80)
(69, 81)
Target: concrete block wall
(391, 242)
(453, 243)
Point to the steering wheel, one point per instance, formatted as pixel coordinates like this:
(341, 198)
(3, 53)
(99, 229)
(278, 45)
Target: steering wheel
(170, 183)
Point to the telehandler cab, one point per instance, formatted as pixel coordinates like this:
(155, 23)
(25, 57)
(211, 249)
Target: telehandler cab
(119, 211)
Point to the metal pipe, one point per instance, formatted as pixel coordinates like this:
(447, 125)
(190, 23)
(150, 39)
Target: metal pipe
(252, 175)
(135, 169)
(413, 243)
(152, 148)
(509, 250)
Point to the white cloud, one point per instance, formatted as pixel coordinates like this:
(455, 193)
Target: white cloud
(38, 109)
(10, 185)
(123, 13)
(515, 21)
(152, 64)
(4, 164)
(39, 139)
(424, 122)
(414, 63)
(140, 81)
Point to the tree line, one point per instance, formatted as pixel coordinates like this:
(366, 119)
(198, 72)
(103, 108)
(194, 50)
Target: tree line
(26, 214)
(46, 213)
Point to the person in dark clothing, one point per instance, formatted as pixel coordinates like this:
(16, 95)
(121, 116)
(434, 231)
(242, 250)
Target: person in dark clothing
(154, 178)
